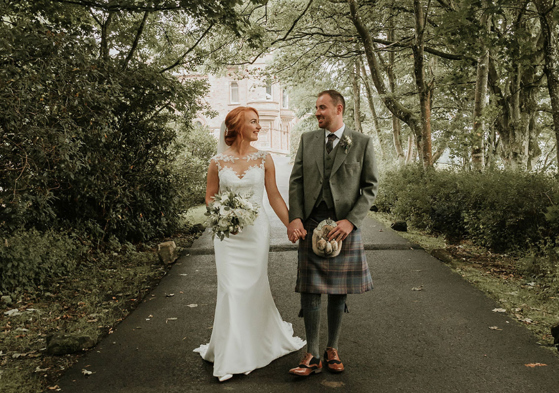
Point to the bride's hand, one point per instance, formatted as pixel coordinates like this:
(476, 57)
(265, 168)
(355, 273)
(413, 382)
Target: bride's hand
(298, 234)
(295, 230)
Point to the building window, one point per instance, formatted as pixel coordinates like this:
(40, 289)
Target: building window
(234, 93)
(285, 99)
(268, 91)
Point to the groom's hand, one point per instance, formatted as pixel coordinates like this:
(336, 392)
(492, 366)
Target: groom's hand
(342, 231)
(296, 226)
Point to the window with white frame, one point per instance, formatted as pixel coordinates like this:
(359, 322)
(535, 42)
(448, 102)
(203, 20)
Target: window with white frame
(234, 93)
(268, 91)
(284, 99)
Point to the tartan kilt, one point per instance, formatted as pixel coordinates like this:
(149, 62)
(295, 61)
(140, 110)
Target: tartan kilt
(347, 273)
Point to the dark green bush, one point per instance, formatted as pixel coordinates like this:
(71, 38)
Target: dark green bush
(30, 258)
(84, 144)
(504, 211)
(197, 147)
(87, 146)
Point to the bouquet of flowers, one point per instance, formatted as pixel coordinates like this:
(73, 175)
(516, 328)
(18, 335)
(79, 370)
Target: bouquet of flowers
(229, 213)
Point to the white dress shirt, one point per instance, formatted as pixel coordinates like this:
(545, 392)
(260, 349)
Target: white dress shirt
(338, 133)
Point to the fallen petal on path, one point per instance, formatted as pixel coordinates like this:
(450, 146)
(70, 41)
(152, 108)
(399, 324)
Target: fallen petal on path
(332, 384)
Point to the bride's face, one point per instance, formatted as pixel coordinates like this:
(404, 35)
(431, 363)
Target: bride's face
(251, 128)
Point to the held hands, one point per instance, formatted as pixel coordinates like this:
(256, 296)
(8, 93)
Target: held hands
(296, 231)
(342, 231)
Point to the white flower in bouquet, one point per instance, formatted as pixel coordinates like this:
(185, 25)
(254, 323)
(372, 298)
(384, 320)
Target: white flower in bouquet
(229, 213)
(246, 205)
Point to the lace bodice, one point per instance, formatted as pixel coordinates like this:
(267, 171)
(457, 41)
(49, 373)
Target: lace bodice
(243, 175)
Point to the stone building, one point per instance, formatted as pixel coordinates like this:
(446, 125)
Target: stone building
(239, 88)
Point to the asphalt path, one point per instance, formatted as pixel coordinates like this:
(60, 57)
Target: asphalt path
(396, 338)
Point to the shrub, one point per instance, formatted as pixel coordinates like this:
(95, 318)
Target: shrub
(191, 166)
(30, 258)
(84, 144)
(504, 211)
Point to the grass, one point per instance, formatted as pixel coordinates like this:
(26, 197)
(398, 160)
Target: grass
(518, 287)
(98, 294)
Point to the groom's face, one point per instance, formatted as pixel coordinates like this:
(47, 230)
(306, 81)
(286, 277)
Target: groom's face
(327, 113)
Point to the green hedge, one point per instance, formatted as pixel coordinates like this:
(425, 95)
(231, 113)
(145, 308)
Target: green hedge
(31, 258)
(504, 211)
(85, 145)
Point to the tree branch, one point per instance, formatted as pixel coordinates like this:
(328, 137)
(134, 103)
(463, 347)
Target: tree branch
(105, 37)
(436, 52)
(136, 40)
(279, 39)
(446, 5)
(118, 7)
(95, 18)
(398, 44)
(294, 23)
(180, 59)
(391, 103)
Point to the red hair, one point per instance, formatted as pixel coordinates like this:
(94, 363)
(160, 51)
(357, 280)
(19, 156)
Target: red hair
(234, 122)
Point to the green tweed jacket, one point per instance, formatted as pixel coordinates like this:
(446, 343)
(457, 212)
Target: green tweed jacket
(353, 180)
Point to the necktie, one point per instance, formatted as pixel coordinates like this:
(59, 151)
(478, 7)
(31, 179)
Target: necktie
(330, 143)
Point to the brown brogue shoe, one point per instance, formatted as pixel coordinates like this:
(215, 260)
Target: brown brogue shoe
(309, 365)
(333, 361)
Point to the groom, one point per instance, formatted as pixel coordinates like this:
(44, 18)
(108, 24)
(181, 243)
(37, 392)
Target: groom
(334, 176)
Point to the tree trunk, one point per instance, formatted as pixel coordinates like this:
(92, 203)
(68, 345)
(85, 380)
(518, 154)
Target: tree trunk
(517, 99)
(551, 56)
(424, 90)
(369, 91)
(356, 97)
(491, 150)
(515, 150)
(136, 40)
(478, 130)
(396, 127)
(438, 153)
(411, 153)
(104, 53)
(391, 103)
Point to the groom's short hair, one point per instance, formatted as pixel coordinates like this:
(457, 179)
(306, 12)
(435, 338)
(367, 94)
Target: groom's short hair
(336, 97)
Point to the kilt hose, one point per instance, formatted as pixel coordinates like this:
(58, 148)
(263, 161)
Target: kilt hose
(347, 273)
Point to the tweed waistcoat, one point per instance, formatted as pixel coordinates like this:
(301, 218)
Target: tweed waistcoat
(326, 193)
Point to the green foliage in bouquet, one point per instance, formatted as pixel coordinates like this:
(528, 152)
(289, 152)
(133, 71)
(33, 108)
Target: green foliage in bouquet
(229, 213)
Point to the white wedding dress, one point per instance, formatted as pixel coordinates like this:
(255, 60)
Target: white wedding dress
(248, 331)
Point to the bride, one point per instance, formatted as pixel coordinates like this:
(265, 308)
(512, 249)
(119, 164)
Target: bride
(248, 331)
